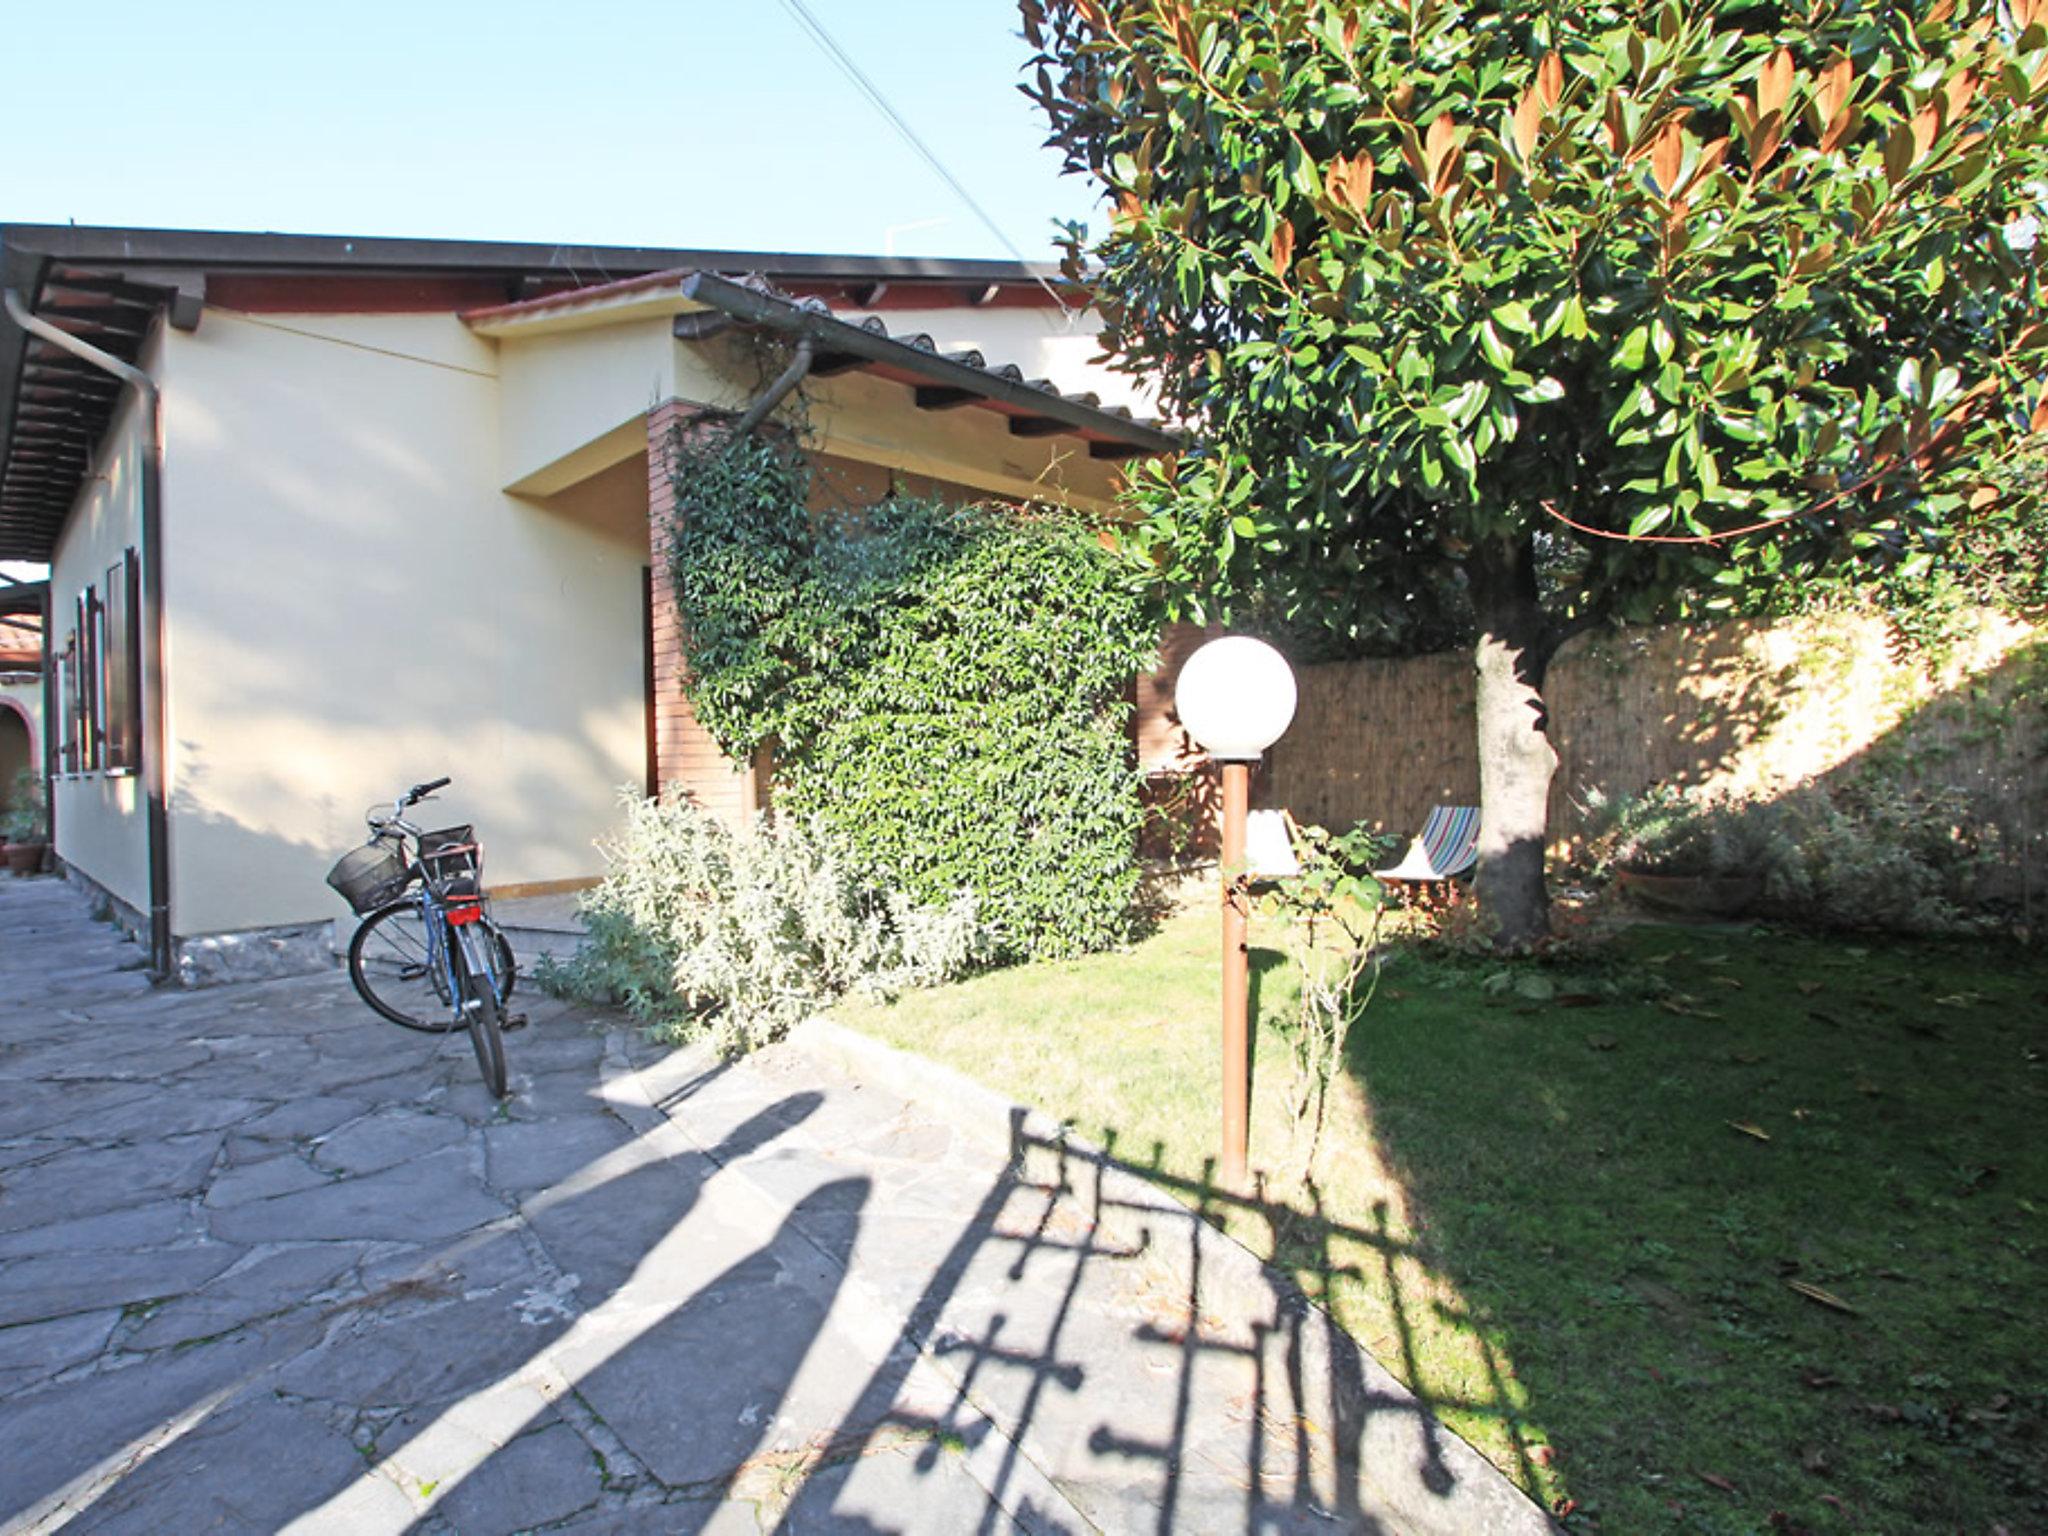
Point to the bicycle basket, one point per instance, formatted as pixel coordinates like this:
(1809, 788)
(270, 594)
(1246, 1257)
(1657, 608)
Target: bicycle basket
(452, 855)
(369, 876)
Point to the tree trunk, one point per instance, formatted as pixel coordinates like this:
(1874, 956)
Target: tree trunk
(1516, 760)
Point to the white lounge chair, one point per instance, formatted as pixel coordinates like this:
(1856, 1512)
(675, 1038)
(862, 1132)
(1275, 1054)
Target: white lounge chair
(1269, 847)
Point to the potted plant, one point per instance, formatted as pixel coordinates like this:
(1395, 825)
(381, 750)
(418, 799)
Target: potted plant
(1685, 853)
(22, 823)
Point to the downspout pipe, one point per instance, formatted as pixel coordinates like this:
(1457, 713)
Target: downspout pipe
(48, 725)
(154, 731)
(777, 392)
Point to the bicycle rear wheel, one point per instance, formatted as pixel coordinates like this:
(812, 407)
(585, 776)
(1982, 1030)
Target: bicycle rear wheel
(397, 970)
(484, 1032)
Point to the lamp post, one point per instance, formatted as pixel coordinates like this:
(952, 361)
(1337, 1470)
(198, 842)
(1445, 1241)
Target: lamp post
(1235, 697)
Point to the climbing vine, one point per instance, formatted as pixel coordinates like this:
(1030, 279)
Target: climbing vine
(944, 688)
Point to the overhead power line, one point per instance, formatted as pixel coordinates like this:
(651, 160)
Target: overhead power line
(854, 73)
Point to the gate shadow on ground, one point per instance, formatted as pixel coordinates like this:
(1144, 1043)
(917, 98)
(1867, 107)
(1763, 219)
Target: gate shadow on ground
(1272, 1424)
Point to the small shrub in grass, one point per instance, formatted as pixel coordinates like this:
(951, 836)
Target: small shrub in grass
(1830, 858)
(1882, 858)
(1330, 912)
(700, 928)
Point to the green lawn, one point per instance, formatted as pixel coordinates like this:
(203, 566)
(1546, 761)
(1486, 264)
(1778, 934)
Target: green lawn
(1579, 1226)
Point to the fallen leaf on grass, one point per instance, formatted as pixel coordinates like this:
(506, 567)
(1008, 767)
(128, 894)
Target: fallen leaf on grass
(1657, 959)
(1820, 1381)
(1713, 959)
(1726, 981)
(1808, 988)
(1960, 1000)
(1782, 1522)
(1715, 1480)
(1749, 1129)
(1745, 1058)
(1826, 1298)
(1687, 1008)
(1602, 1042)
(1542, 1455)
(1992, 1412)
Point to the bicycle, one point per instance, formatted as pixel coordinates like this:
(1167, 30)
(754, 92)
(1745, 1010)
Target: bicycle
(426, 954)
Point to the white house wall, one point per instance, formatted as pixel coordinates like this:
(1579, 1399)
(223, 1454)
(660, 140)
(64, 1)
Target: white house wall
(574, 403)
(355, 606)
(101, 818)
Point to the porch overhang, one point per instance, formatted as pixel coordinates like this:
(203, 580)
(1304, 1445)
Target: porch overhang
(578, 370)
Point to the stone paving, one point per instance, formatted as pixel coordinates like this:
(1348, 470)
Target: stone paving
(269, 1264)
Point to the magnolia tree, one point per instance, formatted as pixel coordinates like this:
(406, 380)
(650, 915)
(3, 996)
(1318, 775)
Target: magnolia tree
(1502, 321)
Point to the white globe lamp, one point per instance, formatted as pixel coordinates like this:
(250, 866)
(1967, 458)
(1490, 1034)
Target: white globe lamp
(1236, 697)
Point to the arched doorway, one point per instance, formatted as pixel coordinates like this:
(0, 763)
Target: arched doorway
(17, 747)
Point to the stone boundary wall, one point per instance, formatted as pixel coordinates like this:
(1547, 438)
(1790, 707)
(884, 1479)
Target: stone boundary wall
(1747, 707)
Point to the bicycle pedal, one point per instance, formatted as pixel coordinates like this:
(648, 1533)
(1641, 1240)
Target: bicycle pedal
(512, 1021)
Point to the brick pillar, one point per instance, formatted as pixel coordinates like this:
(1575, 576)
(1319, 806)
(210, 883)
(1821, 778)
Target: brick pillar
(685, 754)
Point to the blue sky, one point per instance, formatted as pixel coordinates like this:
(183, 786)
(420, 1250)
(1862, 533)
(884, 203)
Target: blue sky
(690, 123)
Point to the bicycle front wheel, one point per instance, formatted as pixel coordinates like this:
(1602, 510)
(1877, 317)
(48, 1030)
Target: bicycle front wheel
(484, 1032)
(398, 968)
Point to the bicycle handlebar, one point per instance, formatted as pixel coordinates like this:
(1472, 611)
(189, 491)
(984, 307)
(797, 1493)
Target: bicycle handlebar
(396, 820)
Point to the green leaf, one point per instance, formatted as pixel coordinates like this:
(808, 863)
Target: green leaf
(1514, 316)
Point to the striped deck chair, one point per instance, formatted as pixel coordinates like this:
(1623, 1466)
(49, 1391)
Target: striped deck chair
(1447, 847)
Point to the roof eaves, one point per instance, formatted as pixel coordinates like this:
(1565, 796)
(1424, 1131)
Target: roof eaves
(655, 293)
(1033, 401)
(221, 250)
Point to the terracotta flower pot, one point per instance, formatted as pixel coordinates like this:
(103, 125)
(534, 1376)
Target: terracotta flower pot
(1692, 895)
(25, 858)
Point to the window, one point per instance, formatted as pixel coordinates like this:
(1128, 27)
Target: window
(85, 681)
(121, 667)
(97, 677)
(64, 664)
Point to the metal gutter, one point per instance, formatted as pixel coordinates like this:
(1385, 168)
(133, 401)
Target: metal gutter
(154, 732)
(224, 249)
(833, 338)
